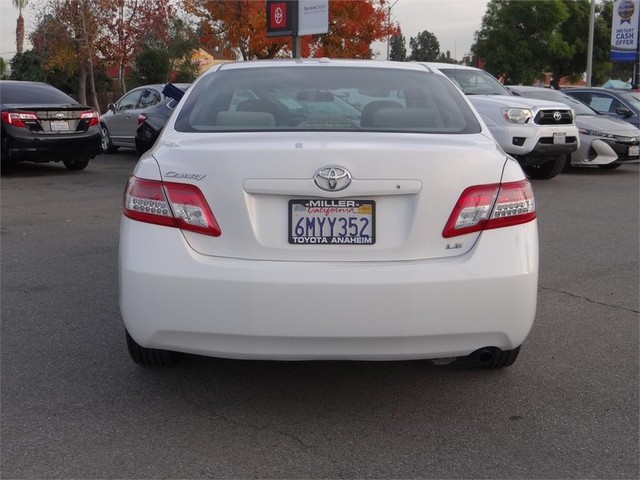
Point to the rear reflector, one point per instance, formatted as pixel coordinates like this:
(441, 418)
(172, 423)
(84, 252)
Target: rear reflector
(484, 207)
(170, 204)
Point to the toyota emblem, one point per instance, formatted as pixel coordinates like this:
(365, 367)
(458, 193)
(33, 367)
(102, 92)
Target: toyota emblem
(332, 179)
(557, 116)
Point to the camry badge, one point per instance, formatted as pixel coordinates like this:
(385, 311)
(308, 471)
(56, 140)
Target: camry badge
(185, 176)
(332, 179)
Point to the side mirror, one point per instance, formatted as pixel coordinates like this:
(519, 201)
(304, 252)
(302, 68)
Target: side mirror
(624, 111)
(111, 107)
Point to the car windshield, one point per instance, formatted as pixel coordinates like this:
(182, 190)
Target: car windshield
(555, 96)
(475, 82)
(325, 98)
(631, 97)
(33, 94)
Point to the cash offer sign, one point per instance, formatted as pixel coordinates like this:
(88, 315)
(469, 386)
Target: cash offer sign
(624, 30)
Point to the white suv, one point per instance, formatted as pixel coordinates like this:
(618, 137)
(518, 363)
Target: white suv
(538, 133)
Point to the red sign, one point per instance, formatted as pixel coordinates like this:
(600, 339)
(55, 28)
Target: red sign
(280, 15)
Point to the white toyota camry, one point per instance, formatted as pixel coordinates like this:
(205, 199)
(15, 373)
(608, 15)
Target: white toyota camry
(327, 209)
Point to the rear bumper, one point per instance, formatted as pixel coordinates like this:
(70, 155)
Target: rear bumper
(176, 299)
(20, 144)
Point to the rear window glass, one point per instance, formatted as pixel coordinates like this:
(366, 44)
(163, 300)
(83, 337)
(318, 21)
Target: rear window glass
(33, 94)
(326, 98)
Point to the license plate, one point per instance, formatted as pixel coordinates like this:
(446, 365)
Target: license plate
(59, 126)
(332, 222)
(634, 151)
(559, 137)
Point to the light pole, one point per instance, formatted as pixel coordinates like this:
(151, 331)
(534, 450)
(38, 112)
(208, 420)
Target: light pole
(590, 42)
(389, 25)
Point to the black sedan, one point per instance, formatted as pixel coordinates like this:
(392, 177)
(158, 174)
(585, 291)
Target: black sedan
(42, 124)
(152, 121)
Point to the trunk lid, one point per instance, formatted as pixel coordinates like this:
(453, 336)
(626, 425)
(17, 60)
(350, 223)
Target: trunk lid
(412, 183)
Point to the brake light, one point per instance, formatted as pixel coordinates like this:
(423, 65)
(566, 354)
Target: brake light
(90, 115)
(484, 207)
(18, 119)
(141, 118)
(170, 204)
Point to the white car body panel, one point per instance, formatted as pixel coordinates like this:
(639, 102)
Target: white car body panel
(418, 191)
(251, 294)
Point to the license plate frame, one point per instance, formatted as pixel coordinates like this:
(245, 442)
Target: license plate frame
(634, 151)
(331, 221)
(559, 138)
(59, 126)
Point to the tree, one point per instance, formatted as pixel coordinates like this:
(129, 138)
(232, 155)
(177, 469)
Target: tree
(3, 69)
(151, 66)
(527, 38)
(425, 47)
(27, 66)
(127, 25)
(398, 48)
(517, 37)
(445, 57)
(20, 4)
(238, 29)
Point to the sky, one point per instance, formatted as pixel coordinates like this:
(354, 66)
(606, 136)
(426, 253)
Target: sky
(454, 23)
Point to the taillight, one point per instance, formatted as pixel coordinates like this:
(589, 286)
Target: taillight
(176, 205)
(18, 119)
(141, 118)
(484, 207)
(90, 115)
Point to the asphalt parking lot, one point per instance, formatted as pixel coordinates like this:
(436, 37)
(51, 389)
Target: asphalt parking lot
(74, 405)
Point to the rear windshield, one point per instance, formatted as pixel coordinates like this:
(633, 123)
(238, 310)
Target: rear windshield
(33, 94)
(326, 98)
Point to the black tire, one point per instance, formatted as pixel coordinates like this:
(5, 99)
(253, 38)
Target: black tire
(107, 144)
(150, 357)
(610, 166)
(76, 164)
(546, 170)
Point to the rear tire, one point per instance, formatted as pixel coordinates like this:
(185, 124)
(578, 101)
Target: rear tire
(547, 170)
(610, 166)
(76, 164)
(150, 357)
(107, 144)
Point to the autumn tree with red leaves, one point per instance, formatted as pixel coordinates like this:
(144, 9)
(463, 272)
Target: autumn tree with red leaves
(128, 25)
(238, 29)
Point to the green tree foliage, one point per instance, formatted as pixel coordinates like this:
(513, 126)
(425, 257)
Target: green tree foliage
(425, 47)
(27, 66)
(524, 39)
(151, 66)
(445, 57)
(518, 37)
(3, 69)
(398, 48)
